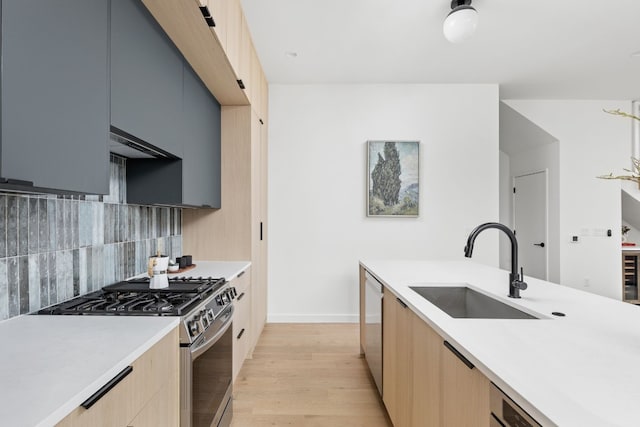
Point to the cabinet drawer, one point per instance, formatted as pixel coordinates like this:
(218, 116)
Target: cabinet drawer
(124, 401)
(241, 331)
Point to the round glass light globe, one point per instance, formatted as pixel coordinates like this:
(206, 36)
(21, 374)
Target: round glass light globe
(460, 24)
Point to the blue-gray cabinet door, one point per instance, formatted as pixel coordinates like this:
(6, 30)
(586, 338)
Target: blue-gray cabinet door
(201, 144)
(55, 93)
(146, 77)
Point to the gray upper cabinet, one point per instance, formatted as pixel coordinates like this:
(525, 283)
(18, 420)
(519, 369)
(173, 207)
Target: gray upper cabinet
(194, 180)
(55, 95)
(201, 161)
(146, 78)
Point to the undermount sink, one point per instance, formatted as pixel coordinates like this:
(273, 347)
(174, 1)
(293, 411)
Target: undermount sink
(464, 302)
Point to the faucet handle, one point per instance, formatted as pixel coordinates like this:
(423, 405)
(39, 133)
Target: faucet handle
(519, 282)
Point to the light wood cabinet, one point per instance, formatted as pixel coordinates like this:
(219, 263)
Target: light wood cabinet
(426, 371)
(465, 393)
(256, 84)
(153, 383)
(160, 410)
(397, 379)
(259, 154)
(245, 58)
(218, 10)
(234, 34)
(242, 326)
(264, 99)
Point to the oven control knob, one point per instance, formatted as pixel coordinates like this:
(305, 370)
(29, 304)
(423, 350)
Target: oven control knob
(219, 300)
(194, 326)
(235, 292)
(205, 319)
(210, 315)
(225, 298)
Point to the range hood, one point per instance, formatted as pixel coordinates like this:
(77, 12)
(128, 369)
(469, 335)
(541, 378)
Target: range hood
(126, 145)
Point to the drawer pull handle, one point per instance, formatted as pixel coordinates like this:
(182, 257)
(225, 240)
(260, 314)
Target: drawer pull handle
(106, 388)
(241, 273)
(240, 296)
(240, 334)
(459, 355)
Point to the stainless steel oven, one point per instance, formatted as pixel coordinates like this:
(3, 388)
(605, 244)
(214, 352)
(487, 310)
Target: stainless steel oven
(206, 373)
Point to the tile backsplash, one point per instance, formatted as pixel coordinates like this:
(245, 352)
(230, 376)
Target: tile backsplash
(53, 248)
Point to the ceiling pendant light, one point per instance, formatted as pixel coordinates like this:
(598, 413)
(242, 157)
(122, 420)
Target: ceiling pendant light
(461, 22)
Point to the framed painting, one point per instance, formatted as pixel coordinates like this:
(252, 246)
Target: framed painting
(393, 186)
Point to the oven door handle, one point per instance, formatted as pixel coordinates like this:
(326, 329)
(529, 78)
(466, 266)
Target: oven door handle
(208, 342)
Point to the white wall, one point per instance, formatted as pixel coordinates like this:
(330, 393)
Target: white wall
(591, 143)
(317, 186)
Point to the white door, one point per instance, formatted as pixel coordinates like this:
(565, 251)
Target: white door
(530, 222)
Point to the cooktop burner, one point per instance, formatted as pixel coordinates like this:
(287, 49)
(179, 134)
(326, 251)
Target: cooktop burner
(134, 297)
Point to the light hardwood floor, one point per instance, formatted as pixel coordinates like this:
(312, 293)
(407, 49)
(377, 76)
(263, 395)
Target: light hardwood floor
(307, 375)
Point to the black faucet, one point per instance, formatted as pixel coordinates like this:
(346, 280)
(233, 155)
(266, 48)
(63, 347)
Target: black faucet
(516, 281)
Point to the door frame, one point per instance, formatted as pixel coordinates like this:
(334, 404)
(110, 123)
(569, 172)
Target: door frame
(545, 171)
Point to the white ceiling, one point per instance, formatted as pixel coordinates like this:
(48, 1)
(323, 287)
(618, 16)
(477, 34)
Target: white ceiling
(544, 49)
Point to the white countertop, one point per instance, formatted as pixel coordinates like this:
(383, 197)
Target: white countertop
(579, 370)
(49, 365)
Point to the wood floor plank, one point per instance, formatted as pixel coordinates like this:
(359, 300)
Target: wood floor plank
(307, 375)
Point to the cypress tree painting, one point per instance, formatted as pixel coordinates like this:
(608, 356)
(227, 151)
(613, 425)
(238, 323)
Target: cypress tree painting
(393, 178)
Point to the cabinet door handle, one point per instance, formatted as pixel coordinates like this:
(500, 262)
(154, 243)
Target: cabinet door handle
(459, 355)
(240, 296)
(240, 334)
(401, 303)
(241, 273)
(106, 388)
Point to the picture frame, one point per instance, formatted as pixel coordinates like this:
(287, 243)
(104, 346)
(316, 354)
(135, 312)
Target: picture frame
(393, 184)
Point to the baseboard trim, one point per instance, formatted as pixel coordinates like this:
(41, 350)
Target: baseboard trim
(313, 318)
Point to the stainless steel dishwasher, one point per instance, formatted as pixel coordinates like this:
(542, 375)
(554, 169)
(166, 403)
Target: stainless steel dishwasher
(373, 327)
(506, 413)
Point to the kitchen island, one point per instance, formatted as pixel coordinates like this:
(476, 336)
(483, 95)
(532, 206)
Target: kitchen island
(575, 370)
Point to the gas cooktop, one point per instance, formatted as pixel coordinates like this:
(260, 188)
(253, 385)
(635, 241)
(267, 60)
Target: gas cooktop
(135, 298)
